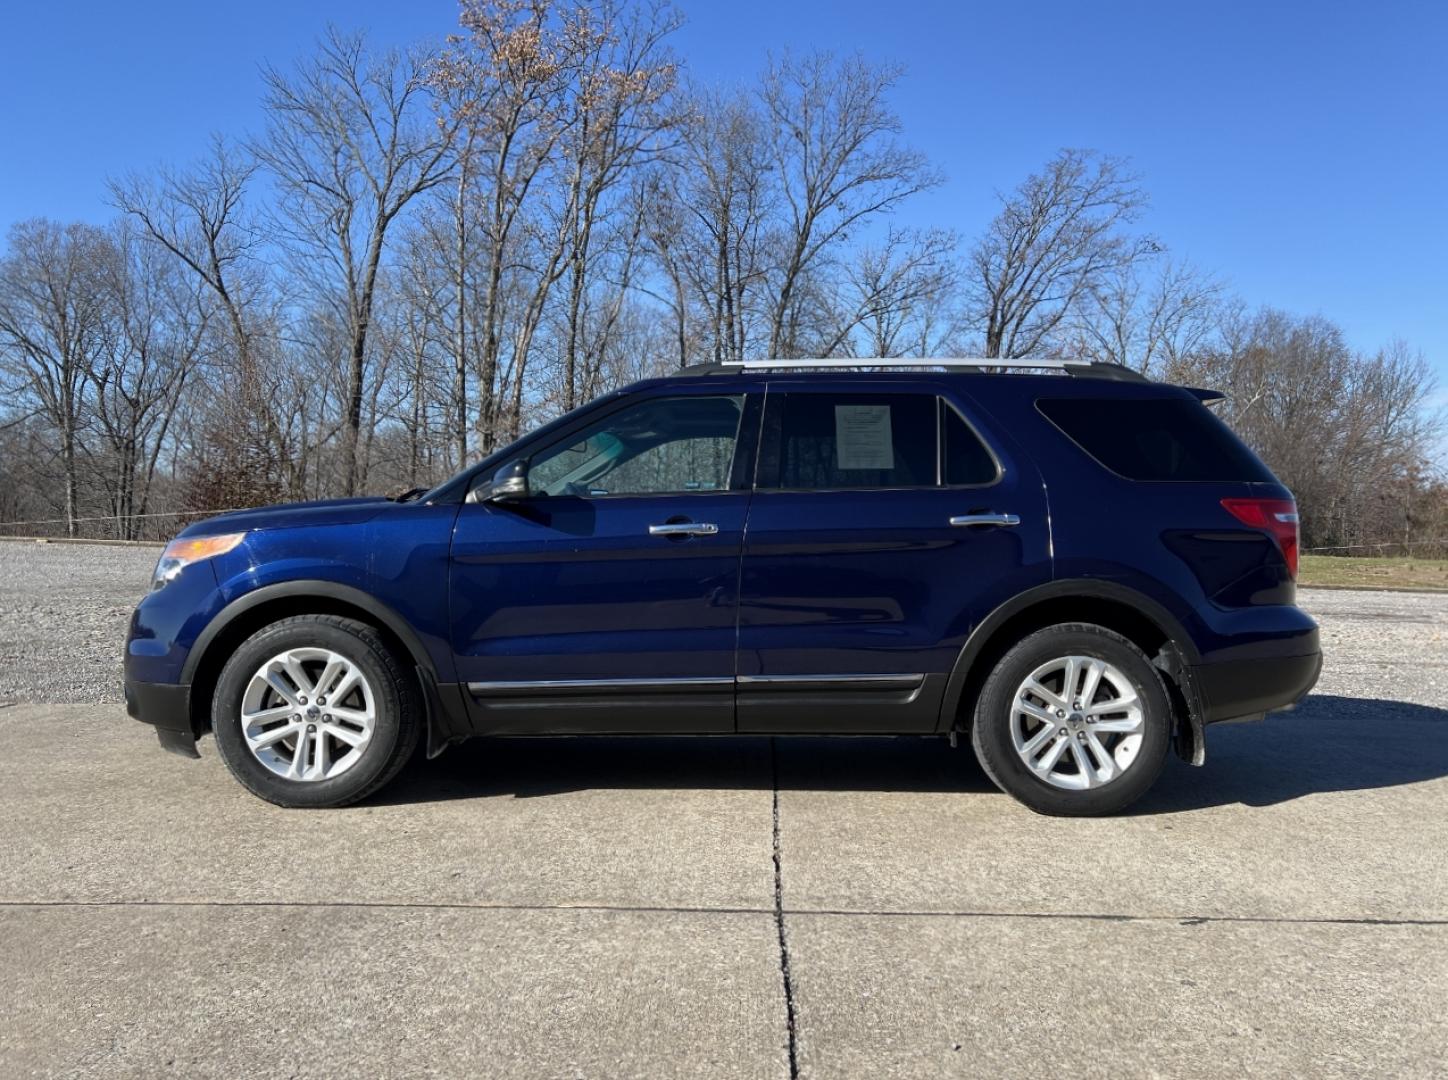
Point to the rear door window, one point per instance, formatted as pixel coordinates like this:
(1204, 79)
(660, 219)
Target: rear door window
(824, 442)
(1155, 439)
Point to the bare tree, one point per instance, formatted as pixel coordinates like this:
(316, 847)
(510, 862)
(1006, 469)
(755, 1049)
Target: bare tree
(427, 335)
(200, 217)
(667, 249)
(750, 226)
(834, 144)
(901, 291)
(461, 233)
(1147, 323)
(604, 314)
(52, 314)
(350, 145)
(619, 109)
(502, 84)
(1056, 238)
(718, 235)
(155, 331)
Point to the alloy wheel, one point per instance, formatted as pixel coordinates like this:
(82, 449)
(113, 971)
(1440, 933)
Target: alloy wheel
(1077, 722)
(308, 714)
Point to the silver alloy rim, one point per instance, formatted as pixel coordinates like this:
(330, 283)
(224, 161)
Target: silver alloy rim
(308, 714)
(1077, 722)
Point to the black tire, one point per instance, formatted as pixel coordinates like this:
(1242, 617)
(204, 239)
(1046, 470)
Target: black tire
(396, 728)
(991, 729)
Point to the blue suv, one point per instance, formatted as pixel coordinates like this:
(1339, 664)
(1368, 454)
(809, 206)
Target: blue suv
(1076, 568)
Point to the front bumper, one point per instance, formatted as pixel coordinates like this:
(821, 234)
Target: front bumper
(1250, 689)
(166, 707)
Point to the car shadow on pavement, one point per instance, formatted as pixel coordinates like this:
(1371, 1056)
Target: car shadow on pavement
(533, 767)
(1328, 743)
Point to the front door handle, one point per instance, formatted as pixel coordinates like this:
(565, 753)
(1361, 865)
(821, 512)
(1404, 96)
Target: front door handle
(684, 528)
(966, 520)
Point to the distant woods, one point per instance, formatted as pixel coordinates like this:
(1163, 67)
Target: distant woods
(424, 252)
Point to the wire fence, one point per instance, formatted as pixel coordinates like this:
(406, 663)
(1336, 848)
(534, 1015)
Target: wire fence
(1439, 543)
(127, 517)
(123, 526)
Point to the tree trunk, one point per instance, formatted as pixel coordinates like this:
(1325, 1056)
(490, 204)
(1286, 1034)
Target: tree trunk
(357, 367)
(67, 453)
(460, 328)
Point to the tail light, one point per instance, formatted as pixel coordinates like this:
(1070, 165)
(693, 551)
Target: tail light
(1277, 516)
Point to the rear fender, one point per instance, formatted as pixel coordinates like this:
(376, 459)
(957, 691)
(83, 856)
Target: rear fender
(1160, 635)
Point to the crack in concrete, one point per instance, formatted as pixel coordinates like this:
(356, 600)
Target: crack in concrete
(1088, 916)
(779, 913)
(784, 972)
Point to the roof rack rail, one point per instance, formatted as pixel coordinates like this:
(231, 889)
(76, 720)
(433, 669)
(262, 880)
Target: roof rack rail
(1094, 368)
(890, 362)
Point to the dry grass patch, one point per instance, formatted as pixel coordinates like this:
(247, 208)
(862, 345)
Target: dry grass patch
(1389, 573)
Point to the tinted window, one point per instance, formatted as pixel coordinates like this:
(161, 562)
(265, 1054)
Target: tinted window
(857, 441)
(967, 461)
(661, 446)
(1155, 438)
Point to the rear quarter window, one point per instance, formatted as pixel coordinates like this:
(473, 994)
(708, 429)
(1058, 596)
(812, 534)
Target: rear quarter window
(1155, 439)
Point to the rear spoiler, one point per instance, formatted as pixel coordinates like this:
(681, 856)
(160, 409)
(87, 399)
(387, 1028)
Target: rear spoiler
(1205, 396)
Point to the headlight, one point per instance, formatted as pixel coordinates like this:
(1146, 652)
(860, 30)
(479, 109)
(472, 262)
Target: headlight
(180, 554)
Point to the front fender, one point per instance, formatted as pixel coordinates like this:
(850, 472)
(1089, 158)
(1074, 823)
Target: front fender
(302, 589)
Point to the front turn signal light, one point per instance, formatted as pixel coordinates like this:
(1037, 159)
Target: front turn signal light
(182, 552)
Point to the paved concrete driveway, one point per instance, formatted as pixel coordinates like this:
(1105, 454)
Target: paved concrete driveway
(614, 908)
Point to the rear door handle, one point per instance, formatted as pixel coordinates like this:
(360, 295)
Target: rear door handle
(966, 520)
(684, 528)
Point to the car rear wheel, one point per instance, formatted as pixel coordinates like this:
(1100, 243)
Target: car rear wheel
(1073, 720)
(315, 711)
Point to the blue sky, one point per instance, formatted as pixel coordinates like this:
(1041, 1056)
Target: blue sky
(1297, 149)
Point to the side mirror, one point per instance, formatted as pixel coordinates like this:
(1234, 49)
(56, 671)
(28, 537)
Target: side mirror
(508, 484)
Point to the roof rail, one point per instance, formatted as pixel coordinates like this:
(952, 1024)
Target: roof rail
(1094, 368)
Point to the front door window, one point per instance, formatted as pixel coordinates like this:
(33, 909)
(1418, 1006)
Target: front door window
(658, 447)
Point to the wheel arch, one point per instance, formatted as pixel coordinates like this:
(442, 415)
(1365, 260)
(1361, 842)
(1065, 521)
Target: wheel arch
(1135, 616)
(247, 614)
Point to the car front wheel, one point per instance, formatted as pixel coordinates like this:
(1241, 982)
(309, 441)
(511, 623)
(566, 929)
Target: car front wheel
(314, 711)
(1073, 720)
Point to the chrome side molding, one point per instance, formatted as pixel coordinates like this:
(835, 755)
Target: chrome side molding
(510, 687)
(901, 682)
(548, 686)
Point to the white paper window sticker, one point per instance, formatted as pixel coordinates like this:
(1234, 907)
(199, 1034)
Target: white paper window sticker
(862, 437)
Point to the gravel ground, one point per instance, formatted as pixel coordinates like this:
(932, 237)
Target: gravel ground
(1367, 637)
(64, 609)
(63, 615)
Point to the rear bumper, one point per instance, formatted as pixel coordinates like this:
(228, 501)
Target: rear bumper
(1249, 689)
(167, 708)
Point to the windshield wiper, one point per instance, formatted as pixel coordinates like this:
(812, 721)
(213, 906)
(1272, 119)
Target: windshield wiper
(410, 494)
